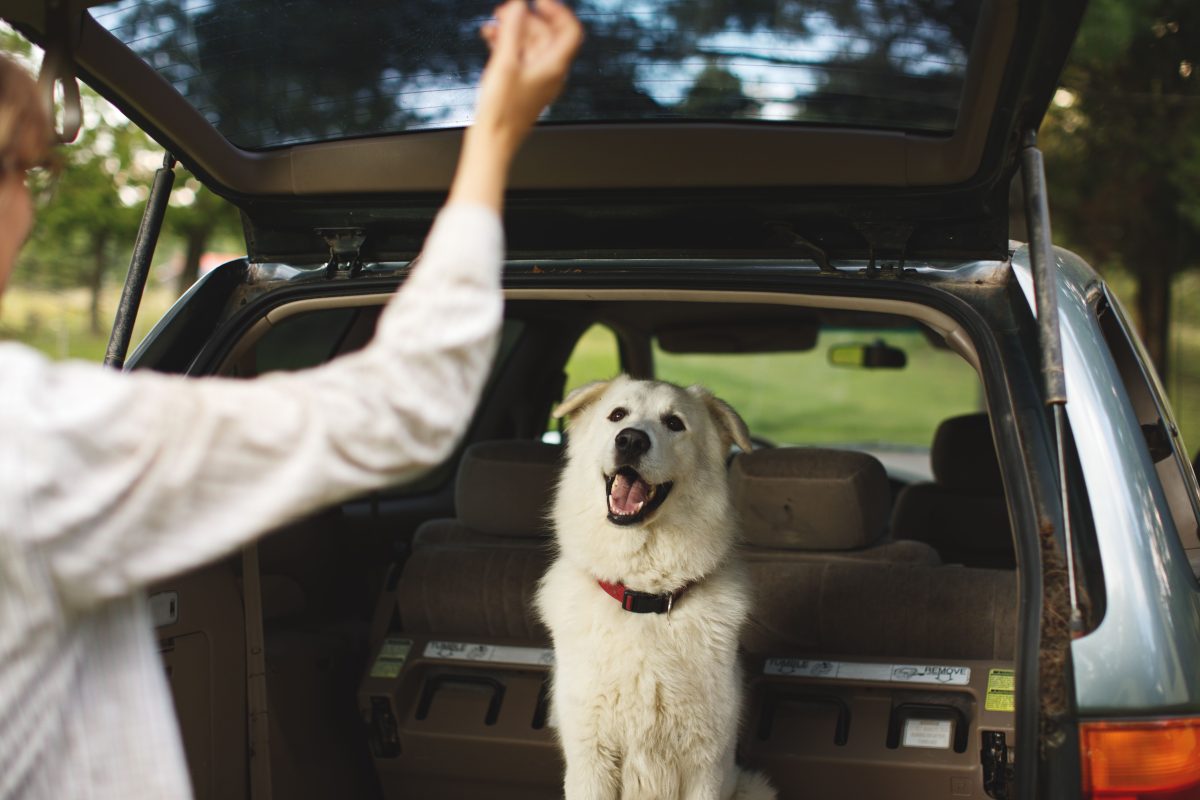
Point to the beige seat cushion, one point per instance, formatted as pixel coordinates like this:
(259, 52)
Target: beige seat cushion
(476, 575)
(854, 606)
(458, 582)
(809, 498)
(963, 513)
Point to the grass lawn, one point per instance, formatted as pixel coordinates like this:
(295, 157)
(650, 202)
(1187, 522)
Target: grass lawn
(800, 398)
(56, 322)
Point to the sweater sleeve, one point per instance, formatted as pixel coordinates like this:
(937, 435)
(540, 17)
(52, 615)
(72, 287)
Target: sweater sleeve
(123, 479)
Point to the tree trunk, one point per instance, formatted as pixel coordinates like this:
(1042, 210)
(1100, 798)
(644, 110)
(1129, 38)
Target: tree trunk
(1154, 312)
(196, 244)
(96, 279)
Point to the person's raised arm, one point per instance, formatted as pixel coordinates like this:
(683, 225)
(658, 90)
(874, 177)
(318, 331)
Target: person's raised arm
(532, 49)
(120, 480)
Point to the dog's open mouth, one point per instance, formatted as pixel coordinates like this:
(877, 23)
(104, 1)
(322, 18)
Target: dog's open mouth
(631, 499)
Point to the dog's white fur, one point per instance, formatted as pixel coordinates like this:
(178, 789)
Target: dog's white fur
(647, 706)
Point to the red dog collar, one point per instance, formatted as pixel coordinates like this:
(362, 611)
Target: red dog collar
(641, 602)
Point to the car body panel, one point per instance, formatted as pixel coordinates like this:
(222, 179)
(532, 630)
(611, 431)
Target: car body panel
(1142, 657)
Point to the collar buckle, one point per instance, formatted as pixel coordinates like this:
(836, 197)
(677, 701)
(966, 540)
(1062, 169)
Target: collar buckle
(637, 602)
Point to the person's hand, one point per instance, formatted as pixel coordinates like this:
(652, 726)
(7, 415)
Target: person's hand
(532, 49)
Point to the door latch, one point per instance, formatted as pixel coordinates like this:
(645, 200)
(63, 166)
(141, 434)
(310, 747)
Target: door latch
(997, 767)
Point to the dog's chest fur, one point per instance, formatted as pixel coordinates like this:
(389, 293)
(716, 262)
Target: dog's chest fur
(643, 674)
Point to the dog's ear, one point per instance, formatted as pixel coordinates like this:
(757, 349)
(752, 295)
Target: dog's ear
(580, 399)
(733, 428)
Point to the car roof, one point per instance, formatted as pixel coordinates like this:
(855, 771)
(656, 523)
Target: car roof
(903, 115)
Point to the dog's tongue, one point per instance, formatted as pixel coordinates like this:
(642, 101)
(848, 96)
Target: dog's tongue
(626, 497)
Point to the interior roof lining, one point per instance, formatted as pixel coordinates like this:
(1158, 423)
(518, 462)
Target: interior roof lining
(942, 324)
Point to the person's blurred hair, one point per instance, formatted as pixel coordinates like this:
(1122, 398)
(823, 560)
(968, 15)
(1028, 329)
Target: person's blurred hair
(27, 137)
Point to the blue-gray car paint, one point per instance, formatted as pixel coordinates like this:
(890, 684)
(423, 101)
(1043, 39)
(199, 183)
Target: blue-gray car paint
(1144, 657)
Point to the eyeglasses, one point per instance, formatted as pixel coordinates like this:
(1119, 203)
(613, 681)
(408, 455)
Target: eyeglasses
(40, 179)
(41, 183)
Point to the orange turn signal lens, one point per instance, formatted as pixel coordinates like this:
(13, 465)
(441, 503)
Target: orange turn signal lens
(1141, 760)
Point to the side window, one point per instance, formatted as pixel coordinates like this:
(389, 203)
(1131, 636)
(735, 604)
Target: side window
(1158, 424)
(596, 357)
(312, 338)
(814, 397)
(304, 340)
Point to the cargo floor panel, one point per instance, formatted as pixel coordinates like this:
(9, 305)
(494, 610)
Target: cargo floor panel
(830, 728)
(460, 719)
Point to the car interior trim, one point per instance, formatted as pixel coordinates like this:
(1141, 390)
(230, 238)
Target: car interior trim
(953, 332)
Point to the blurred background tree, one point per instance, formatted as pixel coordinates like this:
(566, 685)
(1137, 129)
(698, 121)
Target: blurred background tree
(198, 219)
(1122, 143)
(87, 235)
(85, 228)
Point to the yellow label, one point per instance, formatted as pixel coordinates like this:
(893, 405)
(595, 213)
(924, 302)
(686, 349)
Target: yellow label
(391, 658)
(1000, 687)
(395, 648)
(386, 668)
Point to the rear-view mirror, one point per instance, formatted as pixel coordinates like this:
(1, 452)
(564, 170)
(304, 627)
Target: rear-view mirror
(877, 355)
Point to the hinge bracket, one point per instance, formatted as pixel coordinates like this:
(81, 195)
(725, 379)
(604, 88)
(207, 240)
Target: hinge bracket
(345, 251)
(886, 242)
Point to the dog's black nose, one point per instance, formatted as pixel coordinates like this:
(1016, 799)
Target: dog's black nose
(632, 443)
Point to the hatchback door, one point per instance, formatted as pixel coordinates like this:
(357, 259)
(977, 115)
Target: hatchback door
(851, 128)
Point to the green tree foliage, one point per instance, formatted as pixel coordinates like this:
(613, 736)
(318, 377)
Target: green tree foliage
(86, 229)
(717, 93)
(197, 217)
(1123, 149)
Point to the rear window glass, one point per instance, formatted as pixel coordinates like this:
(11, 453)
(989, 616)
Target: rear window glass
(277, 72)
(802, 398)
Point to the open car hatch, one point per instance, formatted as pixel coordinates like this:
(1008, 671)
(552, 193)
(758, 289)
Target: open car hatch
(867, 127)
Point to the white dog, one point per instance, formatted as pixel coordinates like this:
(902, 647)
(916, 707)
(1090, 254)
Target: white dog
(646, 599)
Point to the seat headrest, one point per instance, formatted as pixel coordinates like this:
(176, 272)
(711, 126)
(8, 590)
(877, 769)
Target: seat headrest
(964, 455)
(504, 488)
(808, 498)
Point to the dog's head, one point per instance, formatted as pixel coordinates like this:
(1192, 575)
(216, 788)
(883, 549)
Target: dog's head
(646, 458)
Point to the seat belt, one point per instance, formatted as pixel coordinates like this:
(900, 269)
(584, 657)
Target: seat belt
(256, 678)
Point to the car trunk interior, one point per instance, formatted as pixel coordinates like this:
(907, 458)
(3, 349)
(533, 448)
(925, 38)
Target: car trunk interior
(402, 654)
(387, 647)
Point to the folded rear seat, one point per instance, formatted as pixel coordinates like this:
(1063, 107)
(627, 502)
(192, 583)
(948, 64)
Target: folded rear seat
(875, 670)
(963, 513)
(797, 500)
(455, 691)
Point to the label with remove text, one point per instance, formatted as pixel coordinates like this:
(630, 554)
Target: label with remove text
(856, 671)
(496, 653)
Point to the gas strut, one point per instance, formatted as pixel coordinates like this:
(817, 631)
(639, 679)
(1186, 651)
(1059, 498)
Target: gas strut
(139, 264)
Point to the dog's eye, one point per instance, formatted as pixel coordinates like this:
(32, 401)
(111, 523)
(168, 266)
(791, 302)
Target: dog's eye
(617, 415)
(673, 423)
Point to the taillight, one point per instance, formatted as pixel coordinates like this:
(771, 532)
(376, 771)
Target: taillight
(1141, 760)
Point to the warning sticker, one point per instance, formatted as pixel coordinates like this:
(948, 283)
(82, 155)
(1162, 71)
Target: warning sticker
(855, 671)
(1000, 688)
(932, 733)
(391, 658)
(467, 651)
